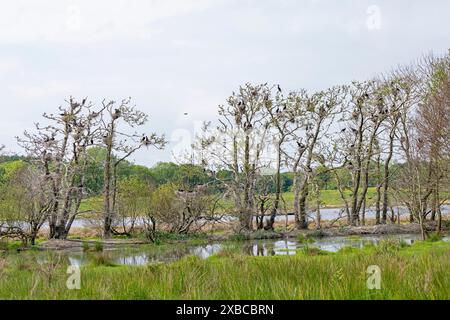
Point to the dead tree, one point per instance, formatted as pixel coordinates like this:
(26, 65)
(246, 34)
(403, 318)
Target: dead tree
(284, 117)
(237, 145)
(119, 146)
(58, 149)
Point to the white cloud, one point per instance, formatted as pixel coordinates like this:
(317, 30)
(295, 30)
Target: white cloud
(9, 65)
(44, 90)
(84, 21)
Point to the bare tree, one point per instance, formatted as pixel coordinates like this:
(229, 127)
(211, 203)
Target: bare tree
(433, 125)
(398, 98)
(237, 146)
(284, 116)
(320, 110)
(59, 150)
(119, 146)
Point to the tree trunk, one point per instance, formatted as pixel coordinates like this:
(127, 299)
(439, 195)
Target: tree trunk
(304, 189)
(378, 189)
(318, 214)
(357, 176)
(362, 201)
(107, 232)
(387, 173)
(278, 189)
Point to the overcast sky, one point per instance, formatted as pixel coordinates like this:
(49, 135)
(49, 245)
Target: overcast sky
(177, 56)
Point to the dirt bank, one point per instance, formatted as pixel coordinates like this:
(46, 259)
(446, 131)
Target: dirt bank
(386, 229)
(80, 244)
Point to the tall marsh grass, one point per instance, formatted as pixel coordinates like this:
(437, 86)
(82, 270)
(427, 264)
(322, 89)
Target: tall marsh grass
(420, 271)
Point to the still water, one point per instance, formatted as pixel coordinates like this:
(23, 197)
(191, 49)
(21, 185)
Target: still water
(326, 214)
(150, 254)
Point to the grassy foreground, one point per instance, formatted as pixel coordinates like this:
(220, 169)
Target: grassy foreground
(417, 272)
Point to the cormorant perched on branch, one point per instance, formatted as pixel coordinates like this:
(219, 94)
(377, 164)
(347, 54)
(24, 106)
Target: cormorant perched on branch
(343, 130)
(301, 145)
(116, 113)
(279, 88)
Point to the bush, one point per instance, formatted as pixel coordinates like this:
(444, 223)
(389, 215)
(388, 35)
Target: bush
(388, 246)
(98, 247)
(302, 239)
(3, 245)
(102, 260)
(434, 237)
(85, 246)
(313, 251)
(238, 237)
(316, 234)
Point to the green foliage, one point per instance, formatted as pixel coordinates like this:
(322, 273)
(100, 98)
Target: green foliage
(102, 260)
(171, 236)
(304, 239)
(446, 223)
(312, 251)
(434, 237)
(388, 246)
(9, 169)
(316, 234)
(85, 246)
(238, 237)
(98, 246)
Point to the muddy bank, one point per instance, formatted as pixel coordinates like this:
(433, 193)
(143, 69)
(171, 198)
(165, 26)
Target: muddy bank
(386, 229)
(54, 244)
(389, 229)
(343, 231)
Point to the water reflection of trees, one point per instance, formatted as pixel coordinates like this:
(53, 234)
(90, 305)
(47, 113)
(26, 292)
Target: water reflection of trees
(258, 249)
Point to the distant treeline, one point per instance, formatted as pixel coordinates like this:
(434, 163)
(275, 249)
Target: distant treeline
(186, 176)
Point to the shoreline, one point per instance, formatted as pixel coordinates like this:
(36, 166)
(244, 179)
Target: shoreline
(375, 230)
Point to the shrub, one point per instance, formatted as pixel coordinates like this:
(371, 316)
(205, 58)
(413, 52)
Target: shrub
(388, 246)
(85, 246)
(434, 237)
(302, 239)
(238, 237)
(98, 247)
(313, 251)
(102, 259)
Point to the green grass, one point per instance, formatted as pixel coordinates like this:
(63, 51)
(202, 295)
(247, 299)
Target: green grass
(408, 272)
(328, 198)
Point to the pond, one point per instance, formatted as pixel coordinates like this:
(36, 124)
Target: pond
(138, 256)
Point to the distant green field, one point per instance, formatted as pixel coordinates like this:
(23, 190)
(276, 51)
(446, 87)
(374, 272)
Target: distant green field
(328, 198)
